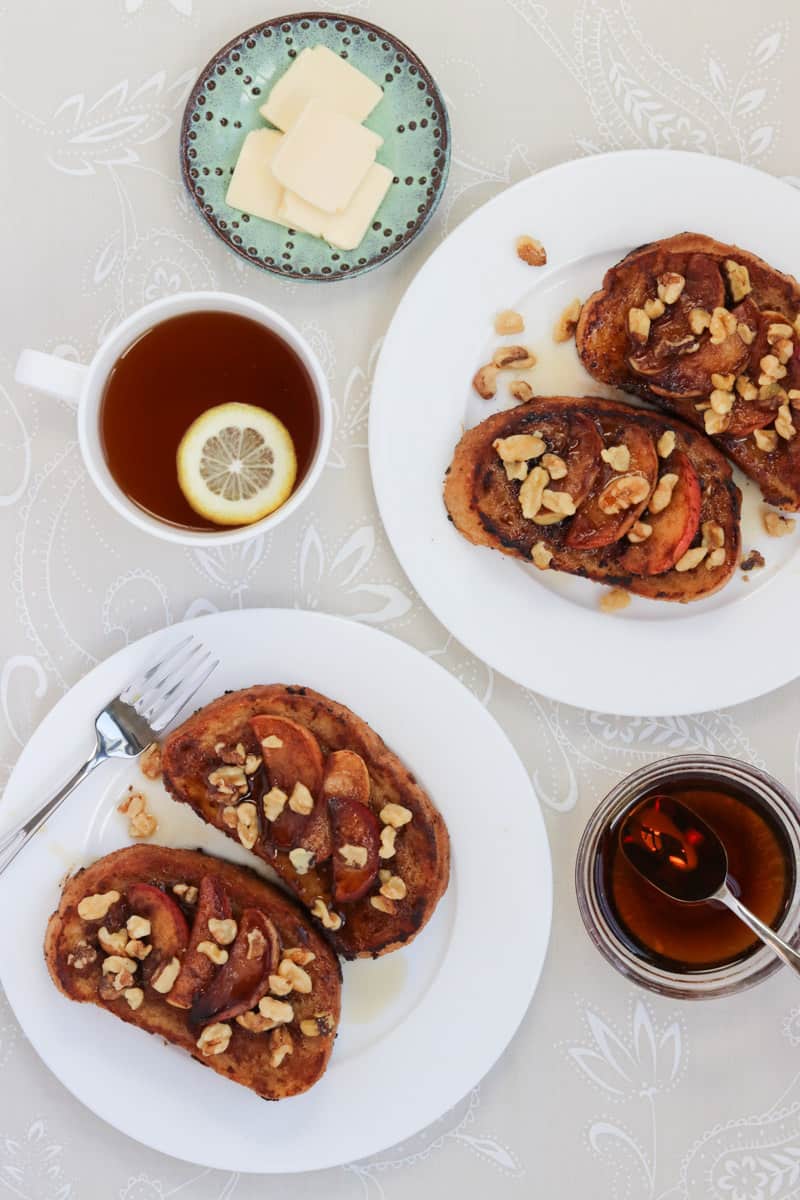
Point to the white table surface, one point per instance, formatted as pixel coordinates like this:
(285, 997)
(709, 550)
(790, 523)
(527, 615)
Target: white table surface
(606, 1091)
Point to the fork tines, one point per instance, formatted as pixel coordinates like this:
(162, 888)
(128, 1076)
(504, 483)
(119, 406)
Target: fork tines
(162, 690)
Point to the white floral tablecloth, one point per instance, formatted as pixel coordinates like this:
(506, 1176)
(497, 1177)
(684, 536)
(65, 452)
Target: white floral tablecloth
(605, 1092)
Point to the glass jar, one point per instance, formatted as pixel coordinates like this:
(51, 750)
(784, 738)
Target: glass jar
(765, 794)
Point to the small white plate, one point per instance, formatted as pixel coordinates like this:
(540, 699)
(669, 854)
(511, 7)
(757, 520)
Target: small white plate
(415, 1035)
(544, 629)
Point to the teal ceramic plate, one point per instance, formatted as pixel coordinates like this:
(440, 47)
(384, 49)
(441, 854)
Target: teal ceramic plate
(411, 118)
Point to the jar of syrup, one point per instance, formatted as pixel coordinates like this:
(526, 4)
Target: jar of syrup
(694, 951)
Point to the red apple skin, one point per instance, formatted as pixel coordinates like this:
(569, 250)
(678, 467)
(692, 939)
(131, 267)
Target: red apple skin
(591, 528)
(346, 790)
(674, 528)
(298, 760)
(240, 983)
(197, 971)
(169, 930)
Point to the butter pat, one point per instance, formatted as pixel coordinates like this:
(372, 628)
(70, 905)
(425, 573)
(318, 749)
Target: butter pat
(297, 213)
(324, 157)
(319, 74)
(346, 230)
(253, 187)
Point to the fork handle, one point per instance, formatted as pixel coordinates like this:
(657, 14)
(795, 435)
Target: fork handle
(11, 843)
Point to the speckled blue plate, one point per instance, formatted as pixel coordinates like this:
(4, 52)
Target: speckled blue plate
(411, 118)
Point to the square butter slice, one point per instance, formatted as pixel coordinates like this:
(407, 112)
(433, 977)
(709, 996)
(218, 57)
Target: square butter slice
(319, 74)
(298, 214)
(324, 157)
(253, 187)
(346, 230)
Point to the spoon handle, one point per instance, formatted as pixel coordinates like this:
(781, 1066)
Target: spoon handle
(767, 935)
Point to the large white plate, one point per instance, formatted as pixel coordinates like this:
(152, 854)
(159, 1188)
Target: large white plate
(540, 628)
(420, 1027)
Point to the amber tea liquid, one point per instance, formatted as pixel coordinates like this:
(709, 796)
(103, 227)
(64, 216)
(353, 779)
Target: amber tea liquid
(177, 370)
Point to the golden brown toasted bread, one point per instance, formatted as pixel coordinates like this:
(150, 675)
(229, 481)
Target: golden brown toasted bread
(727, 329)
(125, 937)
(598, 541)
(320, 798)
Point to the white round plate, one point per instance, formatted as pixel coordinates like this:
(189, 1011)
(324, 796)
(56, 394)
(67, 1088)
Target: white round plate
(414, 1036)
(540, 628)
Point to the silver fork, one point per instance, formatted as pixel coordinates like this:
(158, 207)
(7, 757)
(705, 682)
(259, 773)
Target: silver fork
(128, 725)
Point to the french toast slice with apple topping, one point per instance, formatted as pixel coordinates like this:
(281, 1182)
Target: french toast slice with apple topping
(660, 519)
(311, 789)
(206, 955)
(711, 332)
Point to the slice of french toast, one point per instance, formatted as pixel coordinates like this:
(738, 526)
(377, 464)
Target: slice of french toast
(208, 956)
(310, 788)
(712, 333)
(652, 505)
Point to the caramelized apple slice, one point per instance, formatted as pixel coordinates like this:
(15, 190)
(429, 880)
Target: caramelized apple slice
(240, 983)
(198, 970)
(356, 829)
(169, 931)
(582, 456)
(673, 528)
(292, 755)
(747, 416)
(596, 524)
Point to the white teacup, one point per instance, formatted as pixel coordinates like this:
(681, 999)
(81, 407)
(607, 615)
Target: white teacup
(83, 386)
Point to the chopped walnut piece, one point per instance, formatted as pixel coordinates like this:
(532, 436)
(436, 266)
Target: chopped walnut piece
(223, 931)
(777, 525)
(746, 388)
(558, 502)
(765, 439)
(251, 764)
(112, 943)
(638, 324)
(228, 780)
(253, 1022)
(186, 893)
(383, 904)
(298, 979)
(302, 860)
(280, 1046)
(747, 335)
(256, 943)
(699, 319)
(354, 856)
(519, 447)
(715, 559)
(136, 948)
(247, 824)
(567, 323)
(279, 986)
(554, 465)
(721, 325)
(617, 457)
(723, 382)
(639, 532)
(777, 332)
(273, 803)
(163, 981)
(521, 390)
(670, 286)
(124, 969)
(485, 381)
(141, 822)
(691, 559)
(716, 422)
(277, 1011)
(713, 534)
(531, 251)
(229, 816)
(784, 426)
(95, 908)
(214, 1039)
(82, 956)
(530, 494)
(213, 952)
(271, 742)
(738, 279)
(516, 470)
(508, 321)
(138, 927)
(654, 309)
(320, 910)
(150, 762)
(299, 955)
(517, 358)
(784, 350)
(388, 835)
(721, 402)
(614, 600)
(541, 555)
(301, 801)
(310, 1027)
(394, 888)
(772, 369)
(623, 492)
(666, 443)
(134, 997)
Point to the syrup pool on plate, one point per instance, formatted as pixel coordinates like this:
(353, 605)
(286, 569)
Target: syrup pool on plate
(174, 373)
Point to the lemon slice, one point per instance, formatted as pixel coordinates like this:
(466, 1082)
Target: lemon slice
(236, 464)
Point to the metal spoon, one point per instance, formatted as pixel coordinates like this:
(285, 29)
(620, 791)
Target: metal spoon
(678, 853)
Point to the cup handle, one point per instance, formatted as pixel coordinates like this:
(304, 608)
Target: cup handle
(52, 375)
